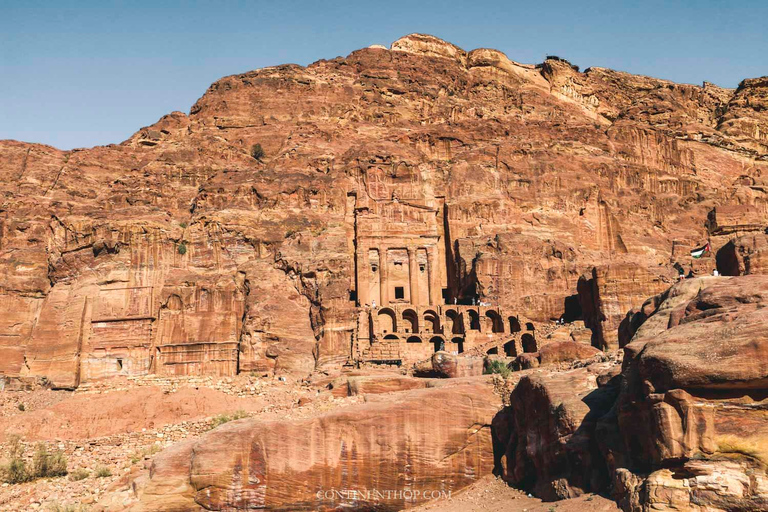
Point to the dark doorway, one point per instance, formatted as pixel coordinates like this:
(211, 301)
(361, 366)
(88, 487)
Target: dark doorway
(572, 309)
(529, 343)
(399, 292)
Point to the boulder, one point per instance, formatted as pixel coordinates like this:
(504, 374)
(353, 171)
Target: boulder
(452, 366)
(682, 427)
(565, 352)
(431, 439)
(546, 435)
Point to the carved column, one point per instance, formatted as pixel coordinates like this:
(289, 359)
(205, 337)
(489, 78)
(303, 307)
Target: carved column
(363, 273)
(413, 273)
(434, 282)
(383, 285)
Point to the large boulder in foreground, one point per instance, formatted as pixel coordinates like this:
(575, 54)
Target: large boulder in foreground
(682, 427)
(692, 407)
(546, 434)
(421, 440)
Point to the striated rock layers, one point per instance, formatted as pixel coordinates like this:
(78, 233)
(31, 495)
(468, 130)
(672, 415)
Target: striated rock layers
(683, 425)
(420, 175)
(402, 449)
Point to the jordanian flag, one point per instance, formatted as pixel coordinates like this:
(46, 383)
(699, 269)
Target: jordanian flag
(701, 251)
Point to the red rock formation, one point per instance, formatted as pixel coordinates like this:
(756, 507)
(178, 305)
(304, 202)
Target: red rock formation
(682, 427)
(610, 291)
(423, 440)
(546, 435)
(470, 175)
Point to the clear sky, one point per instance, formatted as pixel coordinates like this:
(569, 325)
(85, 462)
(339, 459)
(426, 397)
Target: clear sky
(79, 74)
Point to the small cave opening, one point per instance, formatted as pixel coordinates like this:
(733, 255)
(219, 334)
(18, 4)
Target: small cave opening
(572, 309)
(119, 365)
(726, 261)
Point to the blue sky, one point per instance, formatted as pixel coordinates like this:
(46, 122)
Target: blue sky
(79, 74)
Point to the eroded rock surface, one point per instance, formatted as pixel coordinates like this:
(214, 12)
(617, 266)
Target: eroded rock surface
(681, 427)
(465, 176)
(431, 439)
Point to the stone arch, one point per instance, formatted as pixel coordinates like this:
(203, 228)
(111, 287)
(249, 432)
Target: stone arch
(411, 320)
(431, 322)
(514, 325)
(492, 351)
(510, 349)
(474, 320)
(457, 321)
(174, 302)
(392, 337)
(438, 342)
(459, 342)
(529, 343)
(387, 320)
(497, 324)
(413, 339)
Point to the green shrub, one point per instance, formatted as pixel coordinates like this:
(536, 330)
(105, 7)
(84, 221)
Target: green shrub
(46, 464)
(257, 152)
(499, 367)
(144, 452)
(79, 474)
(58, 507)
(183, 225)
(225, 418)
(182, 248)
(14, 471)
(22, 408)
(102, 472)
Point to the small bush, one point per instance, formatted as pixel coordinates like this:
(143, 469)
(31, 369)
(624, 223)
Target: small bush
(225, 418)
(48, 465)
(58, 507)
(182, 248)
(22, 408)
(79, 474)
(102, 472)
(144, 452)
(183, 225)
(257, 152)
(499, 367)
(15, 470)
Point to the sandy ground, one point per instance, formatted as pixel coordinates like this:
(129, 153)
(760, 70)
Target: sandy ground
(491, 494)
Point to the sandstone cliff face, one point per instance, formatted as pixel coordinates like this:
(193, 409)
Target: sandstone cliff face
(405, 445)
(177, 252)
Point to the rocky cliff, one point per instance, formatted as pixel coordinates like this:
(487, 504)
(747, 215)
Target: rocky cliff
(681, 426)
(231, 238)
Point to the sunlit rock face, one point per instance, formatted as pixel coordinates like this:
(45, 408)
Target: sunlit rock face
(469, 176)
(680, 425)
(394, 453)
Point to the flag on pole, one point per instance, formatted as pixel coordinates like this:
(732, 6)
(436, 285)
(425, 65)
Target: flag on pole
(701, 251)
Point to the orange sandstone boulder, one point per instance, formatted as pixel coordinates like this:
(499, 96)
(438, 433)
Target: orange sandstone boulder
(421, 440)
